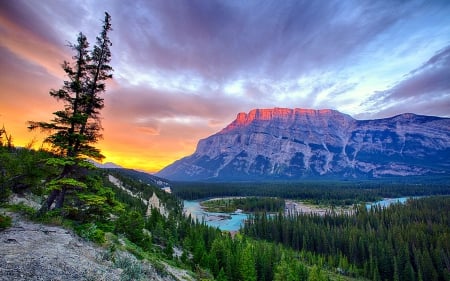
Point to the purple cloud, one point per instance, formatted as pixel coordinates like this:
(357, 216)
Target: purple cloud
(134, 104)
(221, 40)
(424, 90)
(183, 69)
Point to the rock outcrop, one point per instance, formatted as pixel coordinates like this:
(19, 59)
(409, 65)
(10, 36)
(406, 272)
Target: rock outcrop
(152, 202)
(295, 144)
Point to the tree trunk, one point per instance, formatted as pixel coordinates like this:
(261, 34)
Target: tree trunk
(48, 203)
(60, 200)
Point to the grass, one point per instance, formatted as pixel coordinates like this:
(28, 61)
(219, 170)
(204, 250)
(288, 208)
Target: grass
(219, 205)
(5, 221)
(21, 209)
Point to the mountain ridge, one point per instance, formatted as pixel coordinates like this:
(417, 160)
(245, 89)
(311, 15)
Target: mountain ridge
(283, 143)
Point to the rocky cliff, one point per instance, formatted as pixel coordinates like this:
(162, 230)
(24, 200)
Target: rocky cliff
(294, 144)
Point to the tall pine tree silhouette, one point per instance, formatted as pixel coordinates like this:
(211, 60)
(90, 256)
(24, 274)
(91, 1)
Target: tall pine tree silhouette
(77, 127)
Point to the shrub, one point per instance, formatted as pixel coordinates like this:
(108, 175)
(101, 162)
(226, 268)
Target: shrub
(5, 192)
(91, 232)
(132, 270)
(22, 209)
(5, 222)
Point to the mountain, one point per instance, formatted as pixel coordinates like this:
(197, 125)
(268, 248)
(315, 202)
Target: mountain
(107, 165)
(145, 177)
(138, 175)
(293, 144)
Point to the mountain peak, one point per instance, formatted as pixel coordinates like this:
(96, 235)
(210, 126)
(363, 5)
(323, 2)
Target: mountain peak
(243, 119)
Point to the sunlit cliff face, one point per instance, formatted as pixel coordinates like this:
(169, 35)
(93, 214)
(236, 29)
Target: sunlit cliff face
(244, 119)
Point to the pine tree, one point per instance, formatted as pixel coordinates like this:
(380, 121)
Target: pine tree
(247, 269)
(316, 274)
(77, 127)
(221, 276)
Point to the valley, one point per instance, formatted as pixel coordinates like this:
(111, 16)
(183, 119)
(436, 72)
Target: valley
(171, 237)
(231, 219)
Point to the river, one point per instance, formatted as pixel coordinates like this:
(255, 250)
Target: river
(224, 221)
(233, 221)
(386, 202)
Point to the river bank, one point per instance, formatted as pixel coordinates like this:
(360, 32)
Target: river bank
(299, 207)
(232, 221)
(224, 221)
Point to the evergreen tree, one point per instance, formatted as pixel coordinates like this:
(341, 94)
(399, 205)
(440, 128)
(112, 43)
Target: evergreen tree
(247, 264)
(290, 269)
(316, 274)
(5, 139)
(221, 276)
(77, 127)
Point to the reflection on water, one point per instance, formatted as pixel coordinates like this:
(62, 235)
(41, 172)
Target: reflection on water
(224, 221)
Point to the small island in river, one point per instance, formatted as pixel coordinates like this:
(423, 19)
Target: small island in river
(244, 204)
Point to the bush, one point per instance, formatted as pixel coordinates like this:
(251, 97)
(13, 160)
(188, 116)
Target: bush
(132, 270)
(5, 222)
(22, 209)
(91, 232)
(5, 192)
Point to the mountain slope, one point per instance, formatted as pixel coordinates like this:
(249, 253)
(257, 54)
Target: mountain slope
(283, 143)
(32, 251)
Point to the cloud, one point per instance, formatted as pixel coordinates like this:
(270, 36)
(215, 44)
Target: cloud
(425, 89)
(431, 78)
(143, 105)
(184, 69)
(226, 40)
(20, 16)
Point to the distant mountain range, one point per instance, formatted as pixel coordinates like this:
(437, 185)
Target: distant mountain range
(107, 165)
(296, 144)
(135, 174)
(145, 177)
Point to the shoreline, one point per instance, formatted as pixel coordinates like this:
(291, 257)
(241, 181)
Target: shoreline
(299, 207)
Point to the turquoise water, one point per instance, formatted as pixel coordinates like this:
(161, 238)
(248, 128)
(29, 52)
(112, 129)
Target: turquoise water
(388, 201)
(224, 221)
(233, 221)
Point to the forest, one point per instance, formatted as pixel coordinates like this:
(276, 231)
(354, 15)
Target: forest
(403, 242)
(331, 193)
(208, 252)
(246, 204)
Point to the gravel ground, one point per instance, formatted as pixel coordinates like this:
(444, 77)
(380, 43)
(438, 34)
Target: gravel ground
(31, 251)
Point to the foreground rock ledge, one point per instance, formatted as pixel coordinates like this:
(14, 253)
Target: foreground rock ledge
(31, 251)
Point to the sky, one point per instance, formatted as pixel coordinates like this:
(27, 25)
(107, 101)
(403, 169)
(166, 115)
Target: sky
(184, 69)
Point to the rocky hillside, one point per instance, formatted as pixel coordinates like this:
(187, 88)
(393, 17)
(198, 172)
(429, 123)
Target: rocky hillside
(293, 144)
(31, 251)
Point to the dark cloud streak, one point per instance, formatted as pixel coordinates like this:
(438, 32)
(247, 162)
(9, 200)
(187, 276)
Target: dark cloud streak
(425, 89)
(220, 40)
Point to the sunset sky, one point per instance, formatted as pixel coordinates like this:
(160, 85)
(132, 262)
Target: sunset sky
(184, 69)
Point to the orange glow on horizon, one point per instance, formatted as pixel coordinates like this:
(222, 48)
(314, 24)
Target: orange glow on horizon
(150, 161)
(124, 144)
(24, 96)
